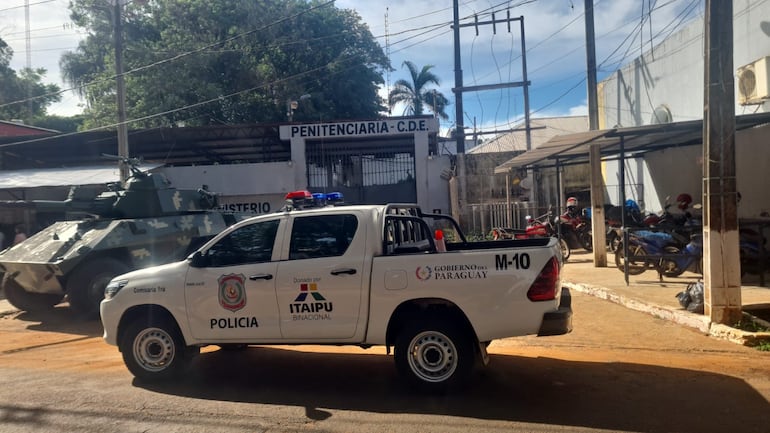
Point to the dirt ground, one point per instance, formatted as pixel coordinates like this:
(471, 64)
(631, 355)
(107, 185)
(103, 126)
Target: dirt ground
(619, 370)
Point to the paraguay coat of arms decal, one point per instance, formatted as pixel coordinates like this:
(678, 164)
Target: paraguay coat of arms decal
(232, 293)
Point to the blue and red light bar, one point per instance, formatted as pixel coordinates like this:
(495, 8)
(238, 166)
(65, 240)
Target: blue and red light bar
(299, 195)
(303, 199)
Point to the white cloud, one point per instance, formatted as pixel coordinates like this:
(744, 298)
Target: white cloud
(579, 110)
(51, 33)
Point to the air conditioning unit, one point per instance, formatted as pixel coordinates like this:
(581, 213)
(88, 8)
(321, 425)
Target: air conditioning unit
(754, 82)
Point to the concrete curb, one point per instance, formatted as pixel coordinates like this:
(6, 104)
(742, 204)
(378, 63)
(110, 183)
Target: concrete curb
(680, 317)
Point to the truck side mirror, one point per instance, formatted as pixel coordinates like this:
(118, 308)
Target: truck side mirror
(199, 260)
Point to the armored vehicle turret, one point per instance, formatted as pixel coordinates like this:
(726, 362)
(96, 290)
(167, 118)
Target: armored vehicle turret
(144, 223)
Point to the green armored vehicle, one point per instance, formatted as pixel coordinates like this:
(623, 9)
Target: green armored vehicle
(145, 223)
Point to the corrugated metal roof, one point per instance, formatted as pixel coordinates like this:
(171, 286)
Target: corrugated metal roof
(547, 128)
(574, 148)
(86, 175)
(556, 145)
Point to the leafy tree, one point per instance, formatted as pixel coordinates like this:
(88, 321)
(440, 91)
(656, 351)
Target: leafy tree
(23, 95)
(416, 95)
(61, 123)
(226, 61)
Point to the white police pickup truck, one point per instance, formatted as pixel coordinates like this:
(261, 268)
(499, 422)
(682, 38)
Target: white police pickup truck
(358, 275)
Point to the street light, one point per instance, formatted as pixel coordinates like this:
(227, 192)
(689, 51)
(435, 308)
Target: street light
(292, 105)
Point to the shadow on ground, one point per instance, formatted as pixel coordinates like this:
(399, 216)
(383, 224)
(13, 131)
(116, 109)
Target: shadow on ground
(61, 319)
(611, 396)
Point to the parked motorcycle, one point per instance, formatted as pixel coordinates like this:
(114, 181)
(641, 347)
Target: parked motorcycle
(755, 258)
(667, 252)
(663, 219)
(505, 233)
(575, 228)
(676, 261)
(673, 246)
(614, 214)
(543, 226)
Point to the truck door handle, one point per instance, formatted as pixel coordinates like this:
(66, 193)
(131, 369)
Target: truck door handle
(261, 277)
(349, 271)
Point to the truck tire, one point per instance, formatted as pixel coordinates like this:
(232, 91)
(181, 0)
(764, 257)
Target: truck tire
(434, 355)
(28, 301)
(85, 287)
(154, 349)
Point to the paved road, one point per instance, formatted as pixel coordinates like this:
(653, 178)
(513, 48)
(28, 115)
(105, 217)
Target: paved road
(620, 370)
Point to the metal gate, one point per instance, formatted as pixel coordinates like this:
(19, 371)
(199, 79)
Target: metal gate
(365, 172)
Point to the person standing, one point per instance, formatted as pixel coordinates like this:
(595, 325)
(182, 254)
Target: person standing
(20, 235)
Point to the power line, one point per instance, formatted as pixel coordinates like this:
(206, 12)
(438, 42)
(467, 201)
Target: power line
(176, 57)
(24, 6)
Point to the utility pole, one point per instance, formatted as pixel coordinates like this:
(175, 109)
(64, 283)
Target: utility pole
(121, 93)
(721, 273)
(458, 185)
(28, 46)
(458, 89)
(593, 106)
(598, 228)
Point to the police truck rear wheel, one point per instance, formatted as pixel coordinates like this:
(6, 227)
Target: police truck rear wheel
(28, 301)
(85, 288)
(434, 355)
(155, 350)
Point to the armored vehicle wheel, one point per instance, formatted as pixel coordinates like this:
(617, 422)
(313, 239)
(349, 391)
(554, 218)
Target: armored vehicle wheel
(434, 355)
(155, 350)
(85, 287)
(27, 301)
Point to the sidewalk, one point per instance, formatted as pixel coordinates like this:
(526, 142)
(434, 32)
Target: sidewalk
(646, 293)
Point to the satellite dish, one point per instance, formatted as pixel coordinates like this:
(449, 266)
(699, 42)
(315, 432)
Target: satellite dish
(525, 183)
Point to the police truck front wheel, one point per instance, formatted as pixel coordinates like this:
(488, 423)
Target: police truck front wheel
(155, 350)
(434, 355)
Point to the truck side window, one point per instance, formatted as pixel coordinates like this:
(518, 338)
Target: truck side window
(249, 244)
(321, 236)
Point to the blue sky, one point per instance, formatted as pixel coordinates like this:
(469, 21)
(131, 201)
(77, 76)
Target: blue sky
(419, 31)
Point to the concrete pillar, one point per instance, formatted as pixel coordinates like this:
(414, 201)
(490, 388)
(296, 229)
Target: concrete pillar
(598, 227)
(299, 162)
(421, 151)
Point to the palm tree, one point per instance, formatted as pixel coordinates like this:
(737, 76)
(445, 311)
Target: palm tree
(415, 94)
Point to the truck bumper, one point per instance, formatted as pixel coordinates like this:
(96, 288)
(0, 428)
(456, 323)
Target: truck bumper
(560, 321)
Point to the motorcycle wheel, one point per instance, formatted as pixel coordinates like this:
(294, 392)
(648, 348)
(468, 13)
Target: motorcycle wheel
(613, 240)
(565, 250)
(586, 240)
(636, 265)
(669, 267)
